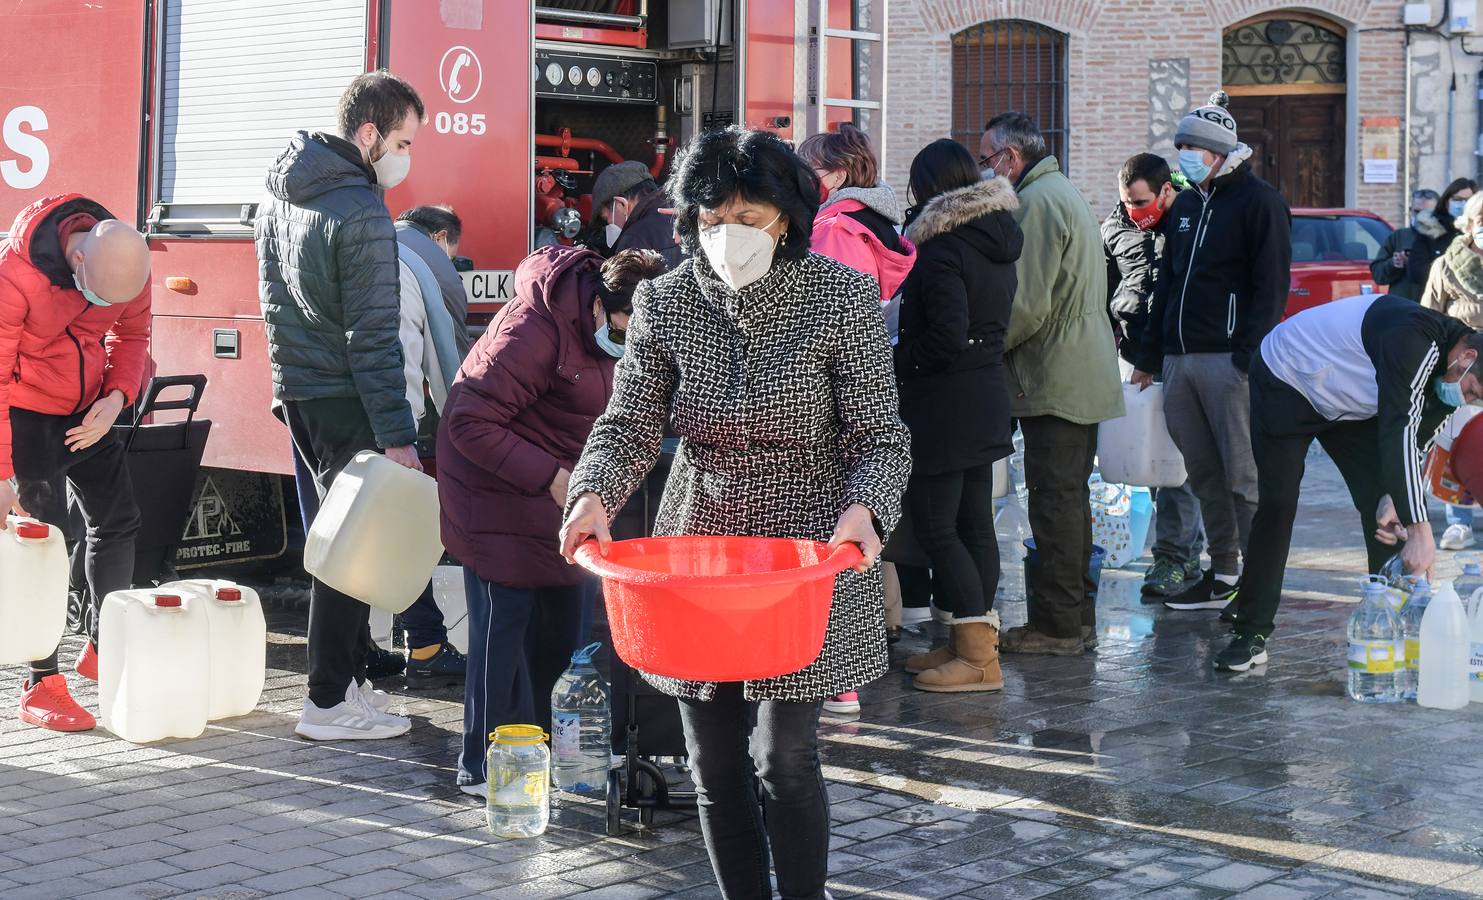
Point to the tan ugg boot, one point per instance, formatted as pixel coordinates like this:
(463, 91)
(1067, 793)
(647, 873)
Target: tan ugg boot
(974, 667)
(937, 656)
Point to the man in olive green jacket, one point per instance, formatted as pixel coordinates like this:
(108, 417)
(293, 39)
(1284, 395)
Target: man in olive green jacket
(1061, 357)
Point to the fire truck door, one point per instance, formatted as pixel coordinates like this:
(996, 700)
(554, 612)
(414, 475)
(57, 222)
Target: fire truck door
(71, 104)
(472, 62)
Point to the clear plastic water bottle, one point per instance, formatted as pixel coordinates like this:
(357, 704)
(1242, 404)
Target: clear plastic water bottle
(581, 726)
(1375, 645)
(1411, 614)
(1470, 581)
(519, 768)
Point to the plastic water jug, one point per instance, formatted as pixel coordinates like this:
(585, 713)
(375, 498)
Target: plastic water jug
(238, 644)
(33, 590)
(518, 804)
(1136, 449)
(376, 537)
(1442, 679)
(1377, 653)
(1475, 653)
(154, 668)
(1416, 597)
(581, 726)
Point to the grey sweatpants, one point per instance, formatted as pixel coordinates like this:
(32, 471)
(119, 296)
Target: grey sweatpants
(1207, 405)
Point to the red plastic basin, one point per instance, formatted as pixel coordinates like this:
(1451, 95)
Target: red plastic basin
(1467, 456)
(718, 608)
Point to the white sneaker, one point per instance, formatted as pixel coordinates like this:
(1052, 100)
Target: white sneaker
(480, 790)
(1457, 537)
(380, 700)
(351, 720)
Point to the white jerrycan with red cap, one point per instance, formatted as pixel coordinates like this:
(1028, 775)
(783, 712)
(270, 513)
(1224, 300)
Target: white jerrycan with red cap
(33, 590)
(238, 644)
(154, 665)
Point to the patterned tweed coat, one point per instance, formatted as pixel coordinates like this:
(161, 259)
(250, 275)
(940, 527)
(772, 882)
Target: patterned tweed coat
(785, 402)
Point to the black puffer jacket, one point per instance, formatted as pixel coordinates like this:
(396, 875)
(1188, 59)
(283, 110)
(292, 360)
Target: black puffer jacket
(954, 314)
(1223, 281)
(328, 284)
(1132, 268)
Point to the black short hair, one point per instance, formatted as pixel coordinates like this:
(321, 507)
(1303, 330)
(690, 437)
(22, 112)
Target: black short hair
(1453, 189)
(941, 166)
(755, 165)
(433, 219)
(1149, 168)
(1475, 343)
(380, 98)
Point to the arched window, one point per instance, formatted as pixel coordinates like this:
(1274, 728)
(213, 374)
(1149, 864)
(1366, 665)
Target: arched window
(1283, 49)
(1010, 64)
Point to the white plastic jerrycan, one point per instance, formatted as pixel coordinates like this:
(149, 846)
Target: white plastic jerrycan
(1136, 449)
(33, 590)
(238, 644)
(376, 537)
(154, 669)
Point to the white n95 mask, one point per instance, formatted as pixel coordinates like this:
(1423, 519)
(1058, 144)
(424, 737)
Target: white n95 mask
(740, 254)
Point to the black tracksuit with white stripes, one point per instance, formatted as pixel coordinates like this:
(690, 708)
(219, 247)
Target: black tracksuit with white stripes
(1357, 375)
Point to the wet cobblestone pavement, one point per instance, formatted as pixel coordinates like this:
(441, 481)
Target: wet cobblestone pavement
(1133, 771)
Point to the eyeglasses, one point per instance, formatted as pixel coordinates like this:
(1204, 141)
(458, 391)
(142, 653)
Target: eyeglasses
(987, 162)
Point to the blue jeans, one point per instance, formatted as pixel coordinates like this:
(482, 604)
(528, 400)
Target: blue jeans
(422, 620)
(732, 743)
(520, 641)
(1460, 515)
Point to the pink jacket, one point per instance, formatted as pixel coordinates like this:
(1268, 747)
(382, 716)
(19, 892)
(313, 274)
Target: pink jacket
(843, 237)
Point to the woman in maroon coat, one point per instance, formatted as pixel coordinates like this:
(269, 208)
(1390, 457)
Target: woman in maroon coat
(516, 420)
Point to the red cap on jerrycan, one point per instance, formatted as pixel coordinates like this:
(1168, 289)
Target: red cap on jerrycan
(1467, 456)
(229, 594)
(32, 531)
(167, 601)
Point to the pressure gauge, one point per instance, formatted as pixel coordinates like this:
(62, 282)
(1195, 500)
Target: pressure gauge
(575, 75)
(594, 77)
(554, 73)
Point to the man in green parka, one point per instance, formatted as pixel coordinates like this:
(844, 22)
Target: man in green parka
(1061, 357)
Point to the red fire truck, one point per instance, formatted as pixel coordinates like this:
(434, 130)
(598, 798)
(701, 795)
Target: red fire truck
(169, 111)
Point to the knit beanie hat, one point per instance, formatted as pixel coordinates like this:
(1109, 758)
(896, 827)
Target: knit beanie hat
(1209, 127)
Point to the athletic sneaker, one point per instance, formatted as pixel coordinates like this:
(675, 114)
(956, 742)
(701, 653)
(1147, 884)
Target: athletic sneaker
(48, 704)
(1209, 593)
(353, 719)
(1165, 577)
(844, 704)
(1228, 614)
(383, 663)
(443, 669)
(1242, 653)
(480, 790)
(1457, 537)
(380, 700)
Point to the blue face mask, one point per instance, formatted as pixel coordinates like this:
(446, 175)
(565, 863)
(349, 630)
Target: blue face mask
(1456, 207)
(1192, 164)
(88, 295)
(1450, 392)
(608, 345)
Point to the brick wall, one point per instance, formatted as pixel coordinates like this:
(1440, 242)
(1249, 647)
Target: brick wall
(1110, 44)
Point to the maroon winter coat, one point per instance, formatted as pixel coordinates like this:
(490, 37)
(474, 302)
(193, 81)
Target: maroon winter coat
(521, 407)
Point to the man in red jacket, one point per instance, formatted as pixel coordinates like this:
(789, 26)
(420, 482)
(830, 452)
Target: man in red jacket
(74, 346)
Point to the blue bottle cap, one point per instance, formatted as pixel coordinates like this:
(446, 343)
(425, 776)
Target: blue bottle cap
(585, 655)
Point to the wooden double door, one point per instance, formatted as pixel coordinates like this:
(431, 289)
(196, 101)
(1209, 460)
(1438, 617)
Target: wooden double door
(1297, 143)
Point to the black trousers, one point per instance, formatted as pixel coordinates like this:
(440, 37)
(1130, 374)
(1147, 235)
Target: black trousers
(328, 434)
(99, 477)
(1058, 462)
(733, 743)
(1283, 425)
(953, 514)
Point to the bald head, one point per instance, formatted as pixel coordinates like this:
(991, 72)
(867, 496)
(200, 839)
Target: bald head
(111, 261)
